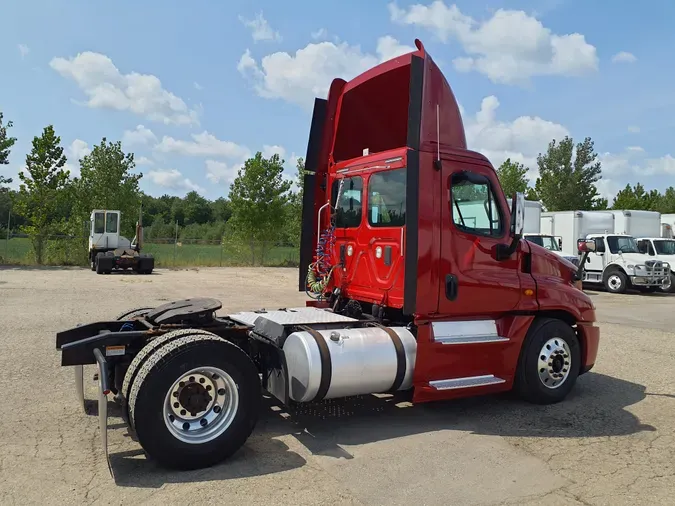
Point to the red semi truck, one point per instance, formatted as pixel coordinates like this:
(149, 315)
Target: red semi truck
(418, 275)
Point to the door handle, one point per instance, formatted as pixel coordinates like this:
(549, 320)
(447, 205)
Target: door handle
(451, 286)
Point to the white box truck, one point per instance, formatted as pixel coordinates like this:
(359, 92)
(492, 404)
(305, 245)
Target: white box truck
(616, 263)
(532, 231)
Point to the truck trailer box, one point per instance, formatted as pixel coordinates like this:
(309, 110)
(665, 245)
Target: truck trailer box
(637, 223)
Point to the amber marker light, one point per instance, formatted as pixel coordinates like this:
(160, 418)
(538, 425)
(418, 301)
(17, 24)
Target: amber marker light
(529, 292)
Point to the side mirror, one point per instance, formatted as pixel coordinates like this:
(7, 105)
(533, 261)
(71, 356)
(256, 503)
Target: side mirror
(518, 214)
(504, 251)
(559, 243)
(584, 245)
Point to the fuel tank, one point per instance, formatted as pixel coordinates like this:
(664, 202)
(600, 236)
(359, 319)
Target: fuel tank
(324, 364)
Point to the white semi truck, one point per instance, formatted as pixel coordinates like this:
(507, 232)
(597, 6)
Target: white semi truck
(616, 263)
(646, 227)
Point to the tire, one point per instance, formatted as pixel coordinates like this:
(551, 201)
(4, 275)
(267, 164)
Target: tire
(532, 381)
(142, 356)
(231, 406)
(615, 281)
(670, 288)
(146, 264)
(92, 261)
(99, 266)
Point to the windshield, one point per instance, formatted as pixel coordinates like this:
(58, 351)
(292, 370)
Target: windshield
(546, 241)
(665, 247)
(622, 244)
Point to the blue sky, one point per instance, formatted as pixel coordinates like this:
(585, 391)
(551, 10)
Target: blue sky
(213, 81)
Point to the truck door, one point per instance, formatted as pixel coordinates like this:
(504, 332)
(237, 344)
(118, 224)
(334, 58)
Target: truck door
(467, 348)
(474, 284)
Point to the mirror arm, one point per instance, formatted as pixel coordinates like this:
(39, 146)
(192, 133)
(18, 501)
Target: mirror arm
(582, 263)
(504, 251)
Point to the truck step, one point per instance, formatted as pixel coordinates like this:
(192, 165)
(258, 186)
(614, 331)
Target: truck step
(469, 382)
(467, 332)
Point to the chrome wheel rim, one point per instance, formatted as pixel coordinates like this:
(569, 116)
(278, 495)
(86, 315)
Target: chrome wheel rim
(200, 405)
(554, 364)
(614, 282)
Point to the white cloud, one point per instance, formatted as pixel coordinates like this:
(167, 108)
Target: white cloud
(509, 48)
(634, 129)
(639, 149)
(388, 48)
(174, 180)
(624, 57)
(203, 144)
(260, 28)
(521, 139)
(268, 151)
(23, 50)
(107, 88)
(299, 77)
(144, 160)
(74, 152)
(220, 172)
(140, 136)
(198, 86)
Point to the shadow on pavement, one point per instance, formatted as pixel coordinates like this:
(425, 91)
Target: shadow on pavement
(595, 408)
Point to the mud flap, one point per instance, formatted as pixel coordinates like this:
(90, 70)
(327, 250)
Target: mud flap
(103, 404)
(79, 385)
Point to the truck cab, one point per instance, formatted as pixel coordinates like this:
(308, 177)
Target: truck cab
(660, 249)
(618, 264)
(402, 223)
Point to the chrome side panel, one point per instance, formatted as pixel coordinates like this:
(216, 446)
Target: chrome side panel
(466, 332)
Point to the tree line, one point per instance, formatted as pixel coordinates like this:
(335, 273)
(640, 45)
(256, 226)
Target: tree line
(262, 209)
(568, 181)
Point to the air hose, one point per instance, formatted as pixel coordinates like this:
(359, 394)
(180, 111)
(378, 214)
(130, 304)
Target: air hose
(320, 272)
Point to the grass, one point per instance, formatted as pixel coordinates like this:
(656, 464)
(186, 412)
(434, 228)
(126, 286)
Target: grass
(18, 251)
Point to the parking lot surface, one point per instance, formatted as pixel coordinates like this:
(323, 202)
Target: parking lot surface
(611, 442)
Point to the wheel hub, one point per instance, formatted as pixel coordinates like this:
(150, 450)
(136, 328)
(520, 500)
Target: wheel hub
(615, 282)
(554, 363)
(200, 405)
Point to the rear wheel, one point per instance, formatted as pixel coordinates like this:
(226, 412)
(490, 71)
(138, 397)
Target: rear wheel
(143, 355)
(195, 401)
(549, 363)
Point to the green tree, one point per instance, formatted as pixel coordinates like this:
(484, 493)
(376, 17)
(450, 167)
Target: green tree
(197, 208)
(513, 178)
(107, 181)
(294, 207)
(258, 196)
(44, 186)
(567, 180)
(6, 143)
(221, 209)
(637, 197)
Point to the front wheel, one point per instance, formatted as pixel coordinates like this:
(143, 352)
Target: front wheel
(549, 363)
(669, 287)
(195, 402)
(615, 281)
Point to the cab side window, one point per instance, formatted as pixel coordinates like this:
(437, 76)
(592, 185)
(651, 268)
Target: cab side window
(99, 223)
(348, 209)
(386, 198)
(111, 223)
(474, 207)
